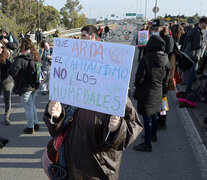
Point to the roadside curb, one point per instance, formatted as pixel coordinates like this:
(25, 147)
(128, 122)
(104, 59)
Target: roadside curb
(196, 142)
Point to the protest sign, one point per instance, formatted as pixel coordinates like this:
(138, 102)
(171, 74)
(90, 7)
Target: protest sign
(143, 38)
(91, 74)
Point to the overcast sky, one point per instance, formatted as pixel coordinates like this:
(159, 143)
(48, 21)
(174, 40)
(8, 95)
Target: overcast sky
(104, 8)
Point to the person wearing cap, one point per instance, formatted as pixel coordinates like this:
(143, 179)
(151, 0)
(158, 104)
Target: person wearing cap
(159, 29)
(9, 40)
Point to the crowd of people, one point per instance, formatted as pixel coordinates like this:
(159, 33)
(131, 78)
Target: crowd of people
(172, 55)
(15, 58)
(73, 127)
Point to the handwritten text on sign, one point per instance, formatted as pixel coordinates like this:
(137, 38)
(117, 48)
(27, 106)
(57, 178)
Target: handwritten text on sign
(143, 38)
(91, 75)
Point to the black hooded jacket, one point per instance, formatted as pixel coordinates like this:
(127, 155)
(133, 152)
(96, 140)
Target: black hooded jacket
(151, 79)
(193, 44)
(5, 78)
(19, 71)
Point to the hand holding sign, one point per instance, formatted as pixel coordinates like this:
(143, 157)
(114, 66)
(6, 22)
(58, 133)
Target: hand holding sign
(91, 75)
(54, 109)
(114, 123)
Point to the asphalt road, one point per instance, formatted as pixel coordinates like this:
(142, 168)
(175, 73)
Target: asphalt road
(173, 157)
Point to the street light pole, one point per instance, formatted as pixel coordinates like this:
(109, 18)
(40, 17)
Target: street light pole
(156, 9)
(136, 6)
(146, 10)
(39, 2)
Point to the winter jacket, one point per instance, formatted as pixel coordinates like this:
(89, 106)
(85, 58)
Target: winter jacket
(46, 63)
(38, 36)
(194, 44)
(19, 71)
(151, 79)
(169, 44)
(5, 78)
(88, 156)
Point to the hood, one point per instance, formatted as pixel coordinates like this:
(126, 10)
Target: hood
(192, 31)
(27, 57)
(155, 44)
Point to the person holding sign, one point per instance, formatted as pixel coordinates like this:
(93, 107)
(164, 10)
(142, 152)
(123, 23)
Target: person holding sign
(151, 84)
(142, 39)
(86, 152)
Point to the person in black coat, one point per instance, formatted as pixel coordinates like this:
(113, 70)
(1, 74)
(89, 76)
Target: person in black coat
(6, 81)
(22, 73)
(38, 36)
(159, 29)
(151, 84)
(194, 47)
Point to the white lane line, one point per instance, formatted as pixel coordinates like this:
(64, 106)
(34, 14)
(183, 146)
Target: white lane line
(199, 149)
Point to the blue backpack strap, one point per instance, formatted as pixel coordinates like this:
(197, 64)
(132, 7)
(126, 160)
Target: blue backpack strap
(69, 114)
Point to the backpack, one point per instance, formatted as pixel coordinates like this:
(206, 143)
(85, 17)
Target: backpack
(183, 60)
(35, 74)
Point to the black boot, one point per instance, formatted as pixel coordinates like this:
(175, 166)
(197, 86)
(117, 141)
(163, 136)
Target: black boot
(162, 122)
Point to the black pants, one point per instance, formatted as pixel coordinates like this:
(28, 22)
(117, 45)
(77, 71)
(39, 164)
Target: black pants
(162, 120)
(7, 89)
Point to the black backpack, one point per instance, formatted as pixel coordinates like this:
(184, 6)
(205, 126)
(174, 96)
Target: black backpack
(183, 60)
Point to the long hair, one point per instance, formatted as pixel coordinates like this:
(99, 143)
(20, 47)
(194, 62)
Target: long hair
(178, 31)
(42, 44)
(4, 53)
(165, 31)
(26, 44)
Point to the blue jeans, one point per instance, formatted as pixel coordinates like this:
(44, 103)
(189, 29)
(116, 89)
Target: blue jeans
(150, 127)
(45, 85)
(28, 101)
(190, 75)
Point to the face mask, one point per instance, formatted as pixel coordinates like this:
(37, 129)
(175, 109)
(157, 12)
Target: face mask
(156, 33)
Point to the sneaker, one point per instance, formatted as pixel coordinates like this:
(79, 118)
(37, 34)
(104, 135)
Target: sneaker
(143, 147)
(36, 127)
(7, 121)
(154, 138)
(44, 92)
(29, 130)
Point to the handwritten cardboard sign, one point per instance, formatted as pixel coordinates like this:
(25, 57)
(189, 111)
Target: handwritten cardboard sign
(91, 75)
(143, 38)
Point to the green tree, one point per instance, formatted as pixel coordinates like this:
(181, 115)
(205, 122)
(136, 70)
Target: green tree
(28, 13)
(9, 23)
(49, 18)
(70, 17)
(193, 19)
